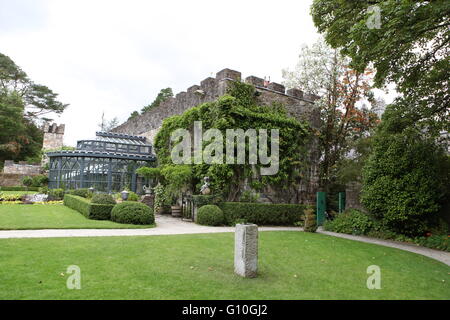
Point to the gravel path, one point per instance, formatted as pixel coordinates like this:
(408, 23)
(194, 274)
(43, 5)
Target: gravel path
(167, 225)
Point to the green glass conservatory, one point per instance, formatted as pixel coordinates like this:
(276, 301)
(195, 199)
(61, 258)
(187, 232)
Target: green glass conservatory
(107, 164)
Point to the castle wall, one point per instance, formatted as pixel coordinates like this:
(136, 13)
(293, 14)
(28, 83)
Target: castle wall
(298, 104)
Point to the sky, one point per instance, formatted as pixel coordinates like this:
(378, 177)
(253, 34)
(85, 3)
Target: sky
(113, 57)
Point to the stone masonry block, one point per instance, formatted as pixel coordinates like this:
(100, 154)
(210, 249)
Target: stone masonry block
(295, 93)
(228, 74)
(246, 250)
(255, 81)
(276, 87)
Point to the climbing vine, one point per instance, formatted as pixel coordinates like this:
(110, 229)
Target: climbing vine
(238, 109)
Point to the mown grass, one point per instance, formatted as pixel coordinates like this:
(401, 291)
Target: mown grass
(56, 216)
(292, 265)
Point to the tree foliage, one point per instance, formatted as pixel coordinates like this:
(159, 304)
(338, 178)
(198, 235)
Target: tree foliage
(22, 103)
(162, 96)
(406, 177)
(409, 47)
(38, 100)
(324, 71)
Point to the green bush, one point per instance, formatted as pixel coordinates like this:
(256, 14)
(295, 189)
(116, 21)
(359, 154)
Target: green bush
(210, 215)
(103, 198)
(19, 188)
(262, 213)
(351, 221)
(133, 213)
(82, 192)
(310, 221)
(441, 242)
(406, 178)
(89, 210)
(43, 190)
(56, 194)
(133, 196)
(39, 181)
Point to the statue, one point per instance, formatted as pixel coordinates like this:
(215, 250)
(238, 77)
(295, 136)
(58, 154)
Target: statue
(147, 190)
(205, 187)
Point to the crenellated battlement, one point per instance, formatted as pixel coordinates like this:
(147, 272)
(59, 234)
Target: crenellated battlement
(298, 103)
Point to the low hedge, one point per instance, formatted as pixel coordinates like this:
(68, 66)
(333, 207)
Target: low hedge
(103, 198)
(89, 210)
(82, 192)
(133, 213)
(19, 189)
(262, 213)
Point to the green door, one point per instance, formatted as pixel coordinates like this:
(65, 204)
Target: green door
(321, 206)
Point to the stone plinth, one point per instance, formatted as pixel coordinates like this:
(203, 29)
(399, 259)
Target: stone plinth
(148, 199)
(246, 250)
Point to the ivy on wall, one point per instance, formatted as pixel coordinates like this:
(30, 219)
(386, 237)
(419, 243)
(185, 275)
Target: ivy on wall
(238, 109)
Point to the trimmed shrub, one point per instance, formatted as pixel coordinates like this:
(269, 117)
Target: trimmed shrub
(103, 198)
(351, 221)
(56, 194)
(310, 223)
(262, 213)
(89, 210)
(133, 213)
(27, 181)
(82, 192)
(210, 215)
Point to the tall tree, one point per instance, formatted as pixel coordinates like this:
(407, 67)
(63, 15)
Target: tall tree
(323, 71)
(406, 41)
(162, 96)
(38, 99)
(22, 104)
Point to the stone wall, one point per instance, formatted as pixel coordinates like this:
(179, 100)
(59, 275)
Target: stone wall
(298, 104)
(22, 168)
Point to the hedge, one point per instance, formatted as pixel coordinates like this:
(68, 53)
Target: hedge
(262, 213)
(19, 189)
(88, 209)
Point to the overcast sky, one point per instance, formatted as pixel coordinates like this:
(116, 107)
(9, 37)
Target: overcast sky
(115, 56)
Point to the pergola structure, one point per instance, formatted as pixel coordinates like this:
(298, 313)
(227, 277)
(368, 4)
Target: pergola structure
(107, 163)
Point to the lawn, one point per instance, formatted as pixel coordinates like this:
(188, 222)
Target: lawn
(292, 265)
(56, 216)
(17, 192)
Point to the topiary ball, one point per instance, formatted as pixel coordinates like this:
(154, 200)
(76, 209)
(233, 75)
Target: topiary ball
(210, 215)
(132, 213)
(102, 198)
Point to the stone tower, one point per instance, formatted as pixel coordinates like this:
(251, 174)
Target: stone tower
(53, 136)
